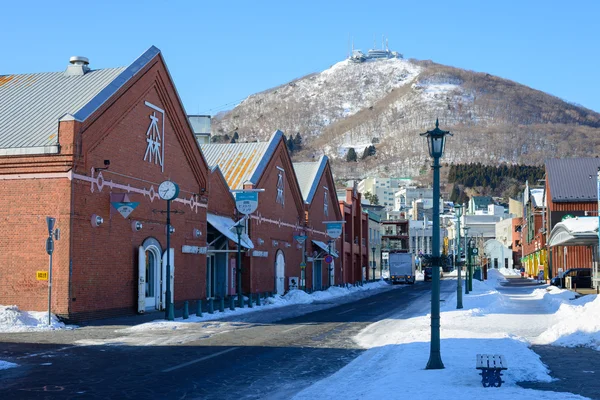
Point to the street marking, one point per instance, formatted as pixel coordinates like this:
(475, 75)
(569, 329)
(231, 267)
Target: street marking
(347, 311)
(291, 329)
(199, 360)
(46, 352)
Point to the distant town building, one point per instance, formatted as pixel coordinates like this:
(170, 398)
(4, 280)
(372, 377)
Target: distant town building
(201, 124)
(479, 203)
(405, 196)
(384, 188)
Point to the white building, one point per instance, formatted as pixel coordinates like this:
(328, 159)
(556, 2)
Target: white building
(384, 188)
(406, 195)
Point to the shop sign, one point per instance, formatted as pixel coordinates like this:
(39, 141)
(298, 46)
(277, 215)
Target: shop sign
(125, 207)
(155, 137)
(260, 253)
(334, 229)
(246, 202)
(185, 249)
(300, 238)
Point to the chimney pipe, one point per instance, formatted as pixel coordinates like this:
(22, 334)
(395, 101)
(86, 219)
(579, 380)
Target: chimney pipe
(78, 66)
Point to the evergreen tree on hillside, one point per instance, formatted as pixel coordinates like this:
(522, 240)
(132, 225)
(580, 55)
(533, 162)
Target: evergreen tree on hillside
(290, 144)
(351, 155)
(298, 141)
(365, 153)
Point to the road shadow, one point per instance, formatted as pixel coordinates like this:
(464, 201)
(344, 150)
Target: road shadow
(165, 372)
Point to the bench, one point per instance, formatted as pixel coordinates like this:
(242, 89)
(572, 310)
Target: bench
(491, 367)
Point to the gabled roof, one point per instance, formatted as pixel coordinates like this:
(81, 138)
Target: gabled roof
(482, 201)
(33, 104)
(241, 162)
(309, 175)
(572, 179)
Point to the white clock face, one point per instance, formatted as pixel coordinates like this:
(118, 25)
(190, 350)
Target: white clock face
(168, 190)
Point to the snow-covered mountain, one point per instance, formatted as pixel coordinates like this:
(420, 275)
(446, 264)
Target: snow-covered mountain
(390, 101)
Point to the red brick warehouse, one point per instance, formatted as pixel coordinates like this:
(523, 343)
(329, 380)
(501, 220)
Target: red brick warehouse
(57, 131)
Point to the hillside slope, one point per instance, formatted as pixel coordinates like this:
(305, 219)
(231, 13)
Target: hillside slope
(494, 120)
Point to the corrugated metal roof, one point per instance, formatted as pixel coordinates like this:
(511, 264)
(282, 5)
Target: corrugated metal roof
(572, 179)
(32, 104)
(241, 162)
(309, 175)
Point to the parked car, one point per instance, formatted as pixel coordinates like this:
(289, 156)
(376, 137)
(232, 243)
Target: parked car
(428, 275)
(580, 277)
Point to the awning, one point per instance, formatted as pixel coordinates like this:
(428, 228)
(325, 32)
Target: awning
(225, 226)
(325, 248)
(579, 231)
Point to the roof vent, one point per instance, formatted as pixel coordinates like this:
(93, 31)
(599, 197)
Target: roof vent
(78, 67)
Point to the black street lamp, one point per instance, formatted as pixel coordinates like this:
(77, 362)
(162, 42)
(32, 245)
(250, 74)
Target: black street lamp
(458, 213)
(239, 229)
(436, 140)
(373, 261)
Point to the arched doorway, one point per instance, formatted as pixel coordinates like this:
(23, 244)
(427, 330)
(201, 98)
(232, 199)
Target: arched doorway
(280, 272)
(149, 275)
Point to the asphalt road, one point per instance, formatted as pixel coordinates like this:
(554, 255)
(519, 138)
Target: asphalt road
(214, 360)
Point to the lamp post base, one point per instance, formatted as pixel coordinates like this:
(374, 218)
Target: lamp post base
(435, 361)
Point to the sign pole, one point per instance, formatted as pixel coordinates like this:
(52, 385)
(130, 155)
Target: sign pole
(50, 249)
(50, 290)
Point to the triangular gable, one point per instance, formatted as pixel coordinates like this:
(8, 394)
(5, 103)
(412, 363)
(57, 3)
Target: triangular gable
(163, 83)
(277, 147)
(218, 178)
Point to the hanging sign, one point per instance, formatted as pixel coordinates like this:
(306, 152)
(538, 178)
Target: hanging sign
(300, 238)
(125, 207)
(246, 202)
(334, 228)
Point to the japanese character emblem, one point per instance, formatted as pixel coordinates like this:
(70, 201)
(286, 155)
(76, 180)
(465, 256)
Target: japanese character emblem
(279, 199)
(155, 136)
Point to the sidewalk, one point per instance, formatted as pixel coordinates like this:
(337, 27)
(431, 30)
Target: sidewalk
(576, 369)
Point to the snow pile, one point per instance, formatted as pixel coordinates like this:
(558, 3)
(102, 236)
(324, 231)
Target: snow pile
(509, 271)
(495, 278)
(277, 301)
(579, 324)
(490, 322)
(553, 298)
(14, 320)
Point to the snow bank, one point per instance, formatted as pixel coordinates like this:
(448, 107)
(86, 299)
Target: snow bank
(579, 324)
(277, 301)
(553, 297)
(14, 320)
(491, 321)
(495, 278)
(507, 271)
(7, 365)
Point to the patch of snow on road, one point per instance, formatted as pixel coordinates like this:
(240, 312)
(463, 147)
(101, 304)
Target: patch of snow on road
(7, 365)
(14, 320)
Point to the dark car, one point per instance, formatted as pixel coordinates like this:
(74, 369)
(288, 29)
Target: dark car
(427, 273)
(580, 277)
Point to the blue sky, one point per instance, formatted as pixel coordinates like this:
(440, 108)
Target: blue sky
(220, 52)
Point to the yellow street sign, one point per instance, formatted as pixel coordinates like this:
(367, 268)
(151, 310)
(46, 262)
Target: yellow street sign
(41, 275)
